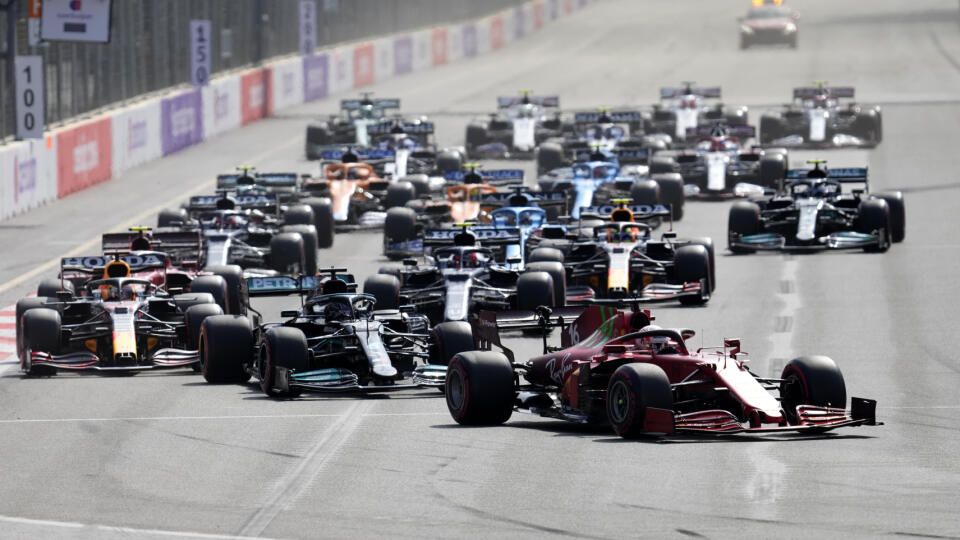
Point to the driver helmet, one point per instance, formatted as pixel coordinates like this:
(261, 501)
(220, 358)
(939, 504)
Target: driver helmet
(717, 145)
(232, 221)
(336, 311)
(654, 343)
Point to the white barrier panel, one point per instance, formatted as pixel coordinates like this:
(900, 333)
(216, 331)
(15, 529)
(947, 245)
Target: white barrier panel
(422, 49)
(28, 176)
(221, 105)
(341, 73)
(454, 42)
(483, 35)
(136, 134)
(383, 56)
(286, 83)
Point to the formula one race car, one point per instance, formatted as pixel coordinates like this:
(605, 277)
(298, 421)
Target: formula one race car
(350, 127)
(462, 275)
(817, 119)
(617, 369)
(689, 109)
(338, 340)
(618, 259)
(813, 213)
(719, 166)
(768, 25)
(118, 323)
(515, 130)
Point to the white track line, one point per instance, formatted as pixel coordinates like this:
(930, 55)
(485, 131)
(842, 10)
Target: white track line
(204, 184)
(179, 418)
(127, 531)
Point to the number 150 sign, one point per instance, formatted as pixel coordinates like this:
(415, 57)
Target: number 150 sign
(199, 51)
(29, 96)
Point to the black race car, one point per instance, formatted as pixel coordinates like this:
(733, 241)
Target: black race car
(812, 212)
(515, 130)
(818, 119)
(350, 127)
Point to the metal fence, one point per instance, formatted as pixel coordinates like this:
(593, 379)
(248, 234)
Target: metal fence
(149, 43)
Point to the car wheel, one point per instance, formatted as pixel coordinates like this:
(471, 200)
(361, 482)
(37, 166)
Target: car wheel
(216, 286)
(286, 253)
(226, 348)
(449, 339)
(744, 220)
(385, 289)
(692, 263)
(633, 388)
(811, 380)
(480, 388)
(874, 218)
(41, 333)
(283, 347)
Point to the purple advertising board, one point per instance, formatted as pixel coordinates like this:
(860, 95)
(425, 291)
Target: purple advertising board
(316, 77)
(519, 23)
(469, 40)
(403, 55)
(554, 9)
(181, 121)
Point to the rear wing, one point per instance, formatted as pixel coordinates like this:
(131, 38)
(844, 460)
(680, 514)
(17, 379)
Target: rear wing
(738, 131)
(385, 128)
(486, 235)
(623, 155)
(490, 176)
(504, 102)
(613, 116)
(282, 179)
(366, 154)
(640, 211)
(845, 175)
(487, 324)
(286, 285)
(96, 263)
(380, 103)
(808, 92)
(541, 198)
(210, 202)
(178, 245)
(702, 91)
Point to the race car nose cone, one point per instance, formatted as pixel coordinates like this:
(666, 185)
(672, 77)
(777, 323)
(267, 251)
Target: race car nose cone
(384, 370)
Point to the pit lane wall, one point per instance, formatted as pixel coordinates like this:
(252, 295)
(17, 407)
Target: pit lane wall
(89, 151)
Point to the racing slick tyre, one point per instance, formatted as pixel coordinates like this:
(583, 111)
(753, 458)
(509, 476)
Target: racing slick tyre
(226, 348)
(660, 165)
(535, 289)
(692, 263)
(480, 388)
(633, 388)
(399, 193)
(309, 235)
(898, 218)
(707, 243)
(811, 380)
(671, 192)
(237, 296)
(773, 169)
(385, 289)
(50, 287)
(286, 253)
(476, 136)
(545, 254)
(559, 276)
(300, 214)
(400, 224)
(394, 271)
(283, 347)
(171, 218)
(421, 183)
(744, 219)
(449, 339)
(448, 162)
(23, 306)
(322, 220)
(41, 332)
(867, 126)
(645, 192)
(216, 286)
(874, 218)
(194, 317)
(184, 301)
(770, 129)
(549, 157)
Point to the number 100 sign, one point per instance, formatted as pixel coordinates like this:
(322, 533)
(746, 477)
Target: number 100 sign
(29, 96)
(200, 51)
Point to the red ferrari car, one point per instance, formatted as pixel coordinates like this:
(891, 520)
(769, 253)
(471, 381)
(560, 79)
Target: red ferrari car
(615, 367)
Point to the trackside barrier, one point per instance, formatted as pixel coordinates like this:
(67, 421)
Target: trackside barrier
(82, 154)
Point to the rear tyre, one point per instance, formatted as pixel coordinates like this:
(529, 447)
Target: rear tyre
(645, 192)
(386, 290)
(671, 192)
(448, 162)
(237, 296)
(476, 137)
(480, 388)
(535, 289)
(632, 389)
(216, 286)
(744, 220)
(874, 218)
(41, 333)
(707, 243)
(283, 347)
(323, 220)
(23, 306)
(171, 218)
(226, 348)
(399, 193)
(773, 169)
(770, 129)
(308, 233)
(449, 339)
(400, 224)
(194, 317)
(558, 275)
(50, 287)
(811, 380)
(300, 214)
(286, 253)
(661, 165)
(693, 264)
(549, 157)
(898, 218)
(545, 254)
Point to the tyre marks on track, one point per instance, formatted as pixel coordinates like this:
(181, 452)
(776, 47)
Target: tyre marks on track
(784, 323)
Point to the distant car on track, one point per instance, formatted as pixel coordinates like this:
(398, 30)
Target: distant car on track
(818, 119)
(768, 24)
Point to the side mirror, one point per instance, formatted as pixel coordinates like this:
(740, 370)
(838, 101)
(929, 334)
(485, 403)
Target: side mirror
(734, 346)
(670, 235)
(409, 262)
(514, 260)
(289, 313)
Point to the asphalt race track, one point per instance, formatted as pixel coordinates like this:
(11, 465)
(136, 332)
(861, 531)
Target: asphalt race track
(164, 454)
